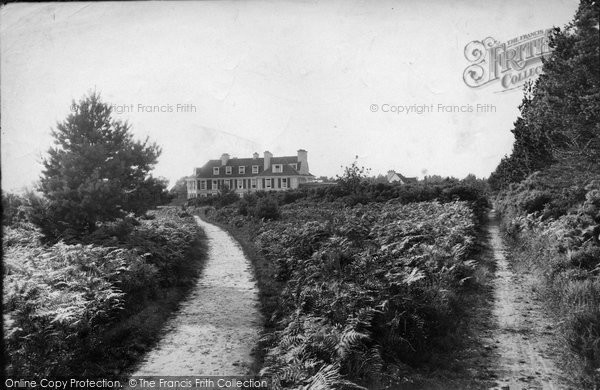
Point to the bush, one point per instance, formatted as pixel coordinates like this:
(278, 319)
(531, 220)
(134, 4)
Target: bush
(535, 201)
(266, 208)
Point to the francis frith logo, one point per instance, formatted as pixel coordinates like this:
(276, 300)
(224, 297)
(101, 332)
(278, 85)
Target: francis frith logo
(510, 63)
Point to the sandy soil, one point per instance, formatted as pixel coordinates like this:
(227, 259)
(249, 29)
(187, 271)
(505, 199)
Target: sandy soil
(523, 338)
(215, 329)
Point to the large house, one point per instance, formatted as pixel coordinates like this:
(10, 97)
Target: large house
(265, 173)
(395, 177)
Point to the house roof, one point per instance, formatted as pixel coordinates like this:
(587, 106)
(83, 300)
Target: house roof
(397, 176)
(206, 171)
(287, 171)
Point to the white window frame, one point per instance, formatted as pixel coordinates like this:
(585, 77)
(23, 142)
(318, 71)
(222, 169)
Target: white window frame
(254, 169)
(228, 170)
(253, 183)
(215, 170)
(268, 183)
(242, 170)
(284, 182)
(240, 184)
(215, 185)
(277, 168)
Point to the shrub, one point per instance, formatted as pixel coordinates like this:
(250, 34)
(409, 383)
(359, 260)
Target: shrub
(587, 258)
(266, 208)
(535, 201)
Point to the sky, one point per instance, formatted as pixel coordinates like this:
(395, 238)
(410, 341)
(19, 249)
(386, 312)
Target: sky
(325, 76)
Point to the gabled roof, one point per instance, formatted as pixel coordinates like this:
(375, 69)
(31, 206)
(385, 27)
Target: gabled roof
(393, 176)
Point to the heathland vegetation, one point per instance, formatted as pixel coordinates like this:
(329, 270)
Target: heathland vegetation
(548, 188)
(359, 280)
(91, 308)
(362, 278)
(91, 273)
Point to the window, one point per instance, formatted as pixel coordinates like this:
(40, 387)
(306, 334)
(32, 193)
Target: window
(241, 170)
(295, 166)
(215, 170)
(277, 168)
(228, 170)
(268, 183)
(253, 183)
(254, 169)
(215, 185)
(202, 184)
(284, 182)
(240, 184)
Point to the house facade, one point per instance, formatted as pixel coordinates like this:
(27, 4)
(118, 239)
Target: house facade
(267, 173)
(394, 177)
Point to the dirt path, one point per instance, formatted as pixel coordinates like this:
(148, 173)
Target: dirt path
(215, 329)
(523, 337)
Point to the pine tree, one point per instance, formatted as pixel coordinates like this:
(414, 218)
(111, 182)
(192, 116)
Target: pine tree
(95, 172)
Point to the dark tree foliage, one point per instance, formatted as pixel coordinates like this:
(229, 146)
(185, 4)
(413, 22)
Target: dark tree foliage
(179, 190)
(560, 113)
(17, 208)
(96, 172)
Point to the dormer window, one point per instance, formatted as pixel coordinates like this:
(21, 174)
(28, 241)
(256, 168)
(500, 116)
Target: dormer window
(242, 170)
(228, 170)
(215, 170)
(295, 166)
(254, 169)
(277, 168)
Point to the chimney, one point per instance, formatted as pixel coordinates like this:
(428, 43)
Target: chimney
(224, 158)
(268, 156)
(255, 155)
(303, 160)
